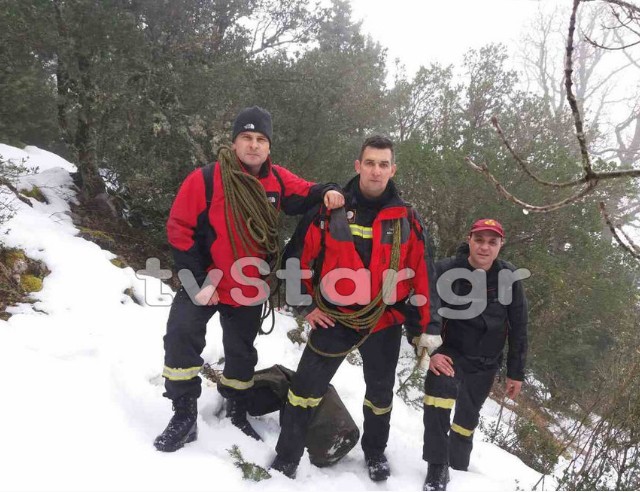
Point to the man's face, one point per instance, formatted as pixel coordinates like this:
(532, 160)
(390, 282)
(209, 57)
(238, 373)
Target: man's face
(375, 169)
(252, 148)
(484, 247)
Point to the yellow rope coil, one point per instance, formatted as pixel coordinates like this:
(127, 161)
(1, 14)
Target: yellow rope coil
(368, 316)
(246, 206)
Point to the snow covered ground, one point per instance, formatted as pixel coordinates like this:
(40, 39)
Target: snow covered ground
(82, 387)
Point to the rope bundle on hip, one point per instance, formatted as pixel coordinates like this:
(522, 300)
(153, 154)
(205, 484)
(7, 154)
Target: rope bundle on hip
(366, 318)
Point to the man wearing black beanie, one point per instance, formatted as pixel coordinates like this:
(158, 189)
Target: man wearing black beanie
(204, 244)
(253, 119)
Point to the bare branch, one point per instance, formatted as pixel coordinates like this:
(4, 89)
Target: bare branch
(571, 98)
(14, 190)
(628, 173)
(524, 166)
(621, 3)
(631, 247)
(609, 48)
(635, 247)
(484, 170)
(633, 61)
(627, 5)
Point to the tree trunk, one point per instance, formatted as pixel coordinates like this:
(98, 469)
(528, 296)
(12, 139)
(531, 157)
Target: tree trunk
(85, 141)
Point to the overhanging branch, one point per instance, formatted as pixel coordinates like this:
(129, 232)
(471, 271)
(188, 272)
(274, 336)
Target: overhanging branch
(484, 170)
(523, 164)
(571, 98)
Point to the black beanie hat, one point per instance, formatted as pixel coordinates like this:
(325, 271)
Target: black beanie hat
(253, 119)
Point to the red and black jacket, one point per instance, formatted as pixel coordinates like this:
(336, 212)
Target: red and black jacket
(198, 233)
(329, 240)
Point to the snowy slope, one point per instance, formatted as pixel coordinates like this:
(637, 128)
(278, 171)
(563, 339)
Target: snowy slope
(82, 392)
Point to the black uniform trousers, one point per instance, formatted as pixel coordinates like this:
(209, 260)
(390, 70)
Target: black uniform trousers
(185, 341)
(446, 442)
(379, 359)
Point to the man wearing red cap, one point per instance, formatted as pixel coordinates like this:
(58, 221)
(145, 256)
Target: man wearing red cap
(483, 305)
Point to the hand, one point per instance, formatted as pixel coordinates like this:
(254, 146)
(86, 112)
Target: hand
(318, 318)
(333, 199)
(207, 296)
(441, 364)
(512, 388)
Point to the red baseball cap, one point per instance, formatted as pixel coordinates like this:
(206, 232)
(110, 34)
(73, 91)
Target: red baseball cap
(487, 225)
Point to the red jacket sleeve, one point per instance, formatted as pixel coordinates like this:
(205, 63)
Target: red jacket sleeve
(300, 195)
(188, 212)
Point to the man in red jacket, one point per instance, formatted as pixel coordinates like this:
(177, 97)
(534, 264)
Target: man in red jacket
(351, 251)
(206, 252)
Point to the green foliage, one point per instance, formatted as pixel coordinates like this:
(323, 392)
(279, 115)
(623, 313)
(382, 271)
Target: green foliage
(119, 262)
(535, 446)
(30, 283)
(411, 387)
(528, 439)
(11, 256)
(250, 471)
(9, 173)
(35, 193)
(582, 285)
(607, 449)
(19, 276)
(326, 101)
(101, 238)
(27, 92)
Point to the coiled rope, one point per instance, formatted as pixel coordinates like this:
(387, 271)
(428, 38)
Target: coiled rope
(247, 210)
(368, 316)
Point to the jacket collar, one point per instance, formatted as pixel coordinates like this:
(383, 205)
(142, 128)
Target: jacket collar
(264, 171)
(390, 197)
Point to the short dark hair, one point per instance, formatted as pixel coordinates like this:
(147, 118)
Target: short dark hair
(378, 142)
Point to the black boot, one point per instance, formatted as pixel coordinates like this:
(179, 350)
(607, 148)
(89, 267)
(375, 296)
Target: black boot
(437, 477)
(378, 466)
(287, 468)
(182, 428)
(237, 412)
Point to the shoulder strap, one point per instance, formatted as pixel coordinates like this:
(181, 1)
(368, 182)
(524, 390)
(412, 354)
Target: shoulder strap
(207, 174)
(412, 218)
(279, 178)
(323, 224)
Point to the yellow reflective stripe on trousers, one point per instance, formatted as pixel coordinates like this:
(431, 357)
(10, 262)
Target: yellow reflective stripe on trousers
(461, 430)
(236, 383)
(298, 401)
(434, 401)
(362, 231)
(377, 410)
(179, 374)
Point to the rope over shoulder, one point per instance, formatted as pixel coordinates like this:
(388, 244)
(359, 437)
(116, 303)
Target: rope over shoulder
(249, 214)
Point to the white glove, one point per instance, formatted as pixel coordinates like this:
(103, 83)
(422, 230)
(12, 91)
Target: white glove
(428, 342)
(425, 346)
